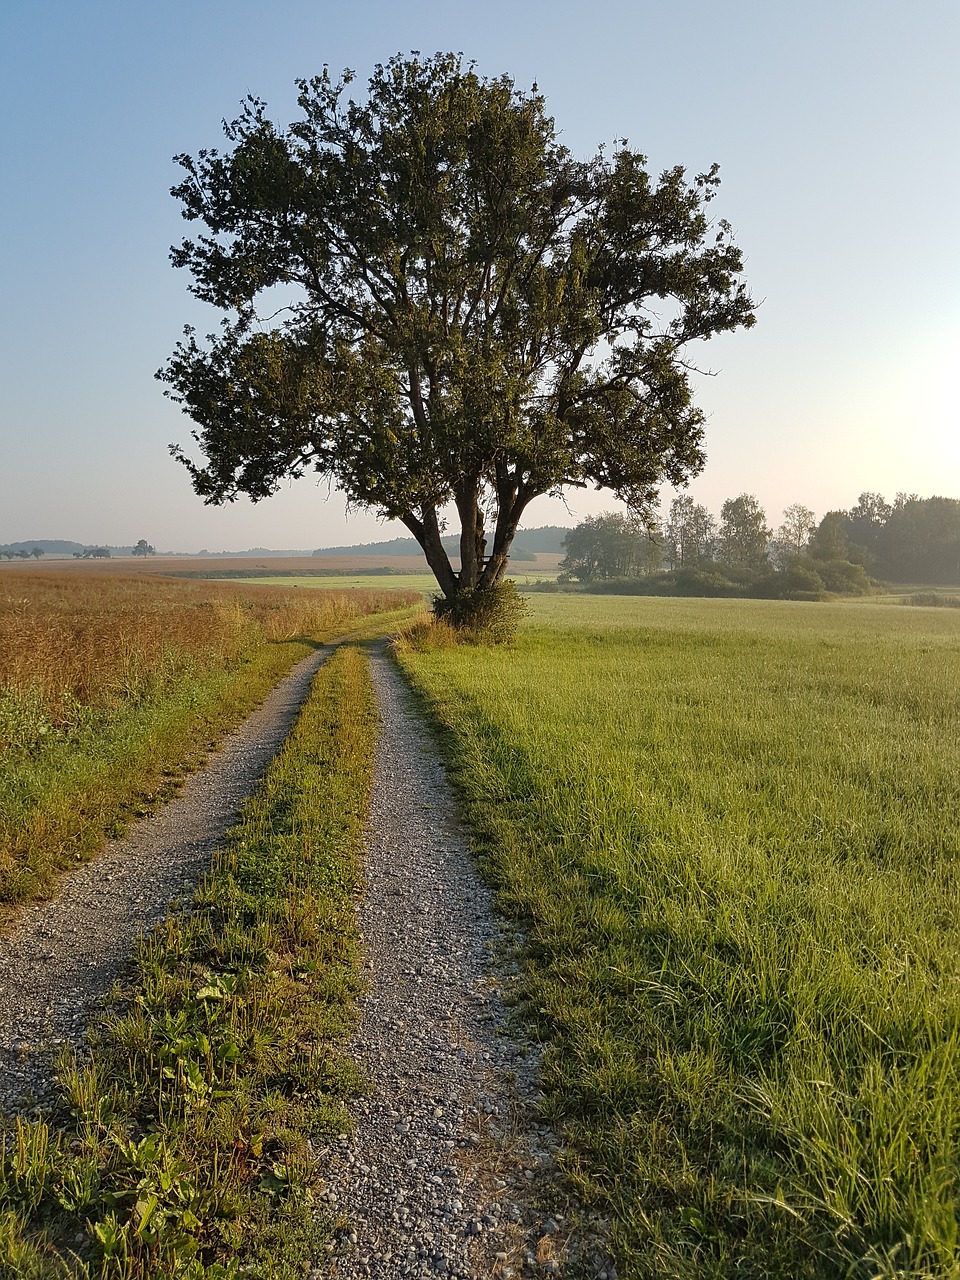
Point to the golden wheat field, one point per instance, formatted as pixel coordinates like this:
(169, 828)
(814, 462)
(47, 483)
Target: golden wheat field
(110, 683)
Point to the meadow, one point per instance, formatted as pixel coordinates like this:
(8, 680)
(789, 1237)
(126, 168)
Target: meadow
(112, 683)
(731, 830)
(425, 583)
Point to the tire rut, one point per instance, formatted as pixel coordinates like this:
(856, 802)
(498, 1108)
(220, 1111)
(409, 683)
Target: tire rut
(439, 1177)
(59, 958)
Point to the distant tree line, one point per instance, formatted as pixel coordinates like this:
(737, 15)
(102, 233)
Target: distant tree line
(692, 552)
(21, 553)
(26, 551)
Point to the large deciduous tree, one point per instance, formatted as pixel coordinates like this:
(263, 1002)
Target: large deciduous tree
(430, 302)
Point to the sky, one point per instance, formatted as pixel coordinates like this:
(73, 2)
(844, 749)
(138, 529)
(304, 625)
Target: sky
(835, 125)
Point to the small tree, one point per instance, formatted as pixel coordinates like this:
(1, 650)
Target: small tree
(830, 541)
(143, 548)
(611, 545)
(472, 317)
(744, 536)
(689, 534)
(37, 552)
(793, 537)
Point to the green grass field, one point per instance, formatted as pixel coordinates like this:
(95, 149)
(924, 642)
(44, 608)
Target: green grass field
(424, 582)
(731, 829)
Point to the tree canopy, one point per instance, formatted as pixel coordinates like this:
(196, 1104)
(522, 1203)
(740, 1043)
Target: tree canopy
(744, 538)
(912, 539)
(429, 301)
(611, 545)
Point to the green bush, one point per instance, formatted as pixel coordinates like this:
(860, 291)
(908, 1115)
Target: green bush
(844, 578)
(491, 616)
(934, 599)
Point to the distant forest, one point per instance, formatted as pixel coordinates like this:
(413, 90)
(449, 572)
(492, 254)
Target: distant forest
(910, 540)
(547, 539)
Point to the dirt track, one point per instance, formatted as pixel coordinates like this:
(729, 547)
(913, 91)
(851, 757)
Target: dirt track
(59, 958)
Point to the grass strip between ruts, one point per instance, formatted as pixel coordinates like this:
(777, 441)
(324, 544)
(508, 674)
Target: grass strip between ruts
(185, 1143)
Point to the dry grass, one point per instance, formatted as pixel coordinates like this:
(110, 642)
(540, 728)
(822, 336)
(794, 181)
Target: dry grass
(71, 640)
(111, 684)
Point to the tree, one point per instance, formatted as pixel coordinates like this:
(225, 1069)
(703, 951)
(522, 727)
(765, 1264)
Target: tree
(865, 524)
(744, 536)
(37, 552)
(689, 534)
(143, 548)
(793, 536)
(472, 316)
(831, 540)
(920, 541)
(611, 545)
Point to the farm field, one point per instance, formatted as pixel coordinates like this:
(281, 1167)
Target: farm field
(110, 684)
(423, 582)
(327, 572)
(731, 830)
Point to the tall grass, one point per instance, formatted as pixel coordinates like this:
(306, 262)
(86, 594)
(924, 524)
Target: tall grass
(732, 831)
(110, 683)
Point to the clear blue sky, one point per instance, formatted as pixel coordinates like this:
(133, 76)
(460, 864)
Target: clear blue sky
(835, 125)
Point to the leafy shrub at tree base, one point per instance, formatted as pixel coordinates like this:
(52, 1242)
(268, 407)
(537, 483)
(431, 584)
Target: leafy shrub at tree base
(491, 616)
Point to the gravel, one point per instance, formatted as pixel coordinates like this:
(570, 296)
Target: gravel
(58, 959)
(442, 1173)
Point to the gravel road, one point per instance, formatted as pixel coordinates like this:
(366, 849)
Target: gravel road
(59, 958)
(447, 1169)
(440, 1177)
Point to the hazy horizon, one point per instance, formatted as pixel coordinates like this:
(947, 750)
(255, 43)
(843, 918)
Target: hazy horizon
(835, 127)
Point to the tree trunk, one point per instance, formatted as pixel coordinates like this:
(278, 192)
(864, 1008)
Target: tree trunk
(513, 502)
(472, 541)
(427, 533)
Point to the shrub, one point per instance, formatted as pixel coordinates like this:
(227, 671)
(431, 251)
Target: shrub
(845, 578)
(484, 617)
(800, 581)
(934, 600)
